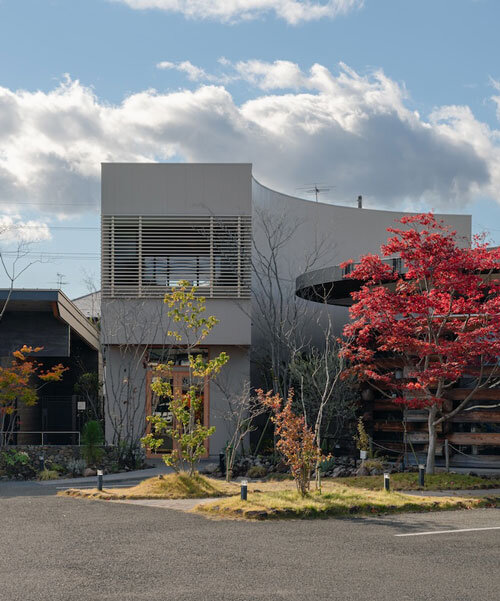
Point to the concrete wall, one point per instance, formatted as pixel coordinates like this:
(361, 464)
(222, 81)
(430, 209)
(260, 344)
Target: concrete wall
(126, 391)
(324, 235)
(351, 232)
(176, 189)
(232, 380)
(145, 321)
(130, 325)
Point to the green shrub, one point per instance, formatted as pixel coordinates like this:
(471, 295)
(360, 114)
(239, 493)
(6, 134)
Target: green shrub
(374, 464)
(92, 441)
(16, 464)
(257, 471)
(56, 467)
(327, 465)
(75, 467)
(129, 454)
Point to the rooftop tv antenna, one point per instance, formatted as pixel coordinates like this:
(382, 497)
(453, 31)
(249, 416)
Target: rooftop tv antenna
(60, 280)
(315, 189)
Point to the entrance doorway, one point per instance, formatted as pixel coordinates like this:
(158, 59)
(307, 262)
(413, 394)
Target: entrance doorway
(179, 382)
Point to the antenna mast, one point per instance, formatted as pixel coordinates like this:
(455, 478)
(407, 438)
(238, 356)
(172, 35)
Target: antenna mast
(60, 280)
(315, 189)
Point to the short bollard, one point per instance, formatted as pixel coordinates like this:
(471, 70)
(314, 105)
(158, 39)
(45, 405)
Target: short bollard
(222, 463)
(387, 480)
(244, 490)
(421, 475)
(42, 462)
(99, 479)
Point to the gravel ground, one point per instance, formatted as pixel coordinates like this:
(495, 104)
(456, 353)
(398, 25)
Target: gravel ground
(65, 549)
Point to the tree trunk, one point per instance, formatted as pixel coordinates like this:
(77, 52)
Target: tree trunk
(318, 475)
(431, 453)
(229, 464)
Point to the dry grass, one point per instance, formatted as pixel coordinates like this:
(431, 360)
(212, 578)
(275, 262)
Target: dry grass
(335, 501)
(409, 481)
(171, 486)
(47, 474)
(279, 499)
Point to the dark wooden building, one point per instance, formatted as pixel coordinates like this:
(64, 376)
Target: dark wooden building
(48, 319)
(472, 435)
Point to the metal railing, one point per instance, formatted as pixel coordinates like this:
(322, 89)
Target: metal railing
(42, 433)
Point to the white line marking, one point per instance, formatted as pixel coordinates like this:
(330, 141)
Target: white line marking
(448, 531)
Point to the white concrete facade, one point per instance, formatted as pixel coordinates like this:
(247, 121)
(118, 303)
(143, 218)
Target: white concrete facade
(318, 235)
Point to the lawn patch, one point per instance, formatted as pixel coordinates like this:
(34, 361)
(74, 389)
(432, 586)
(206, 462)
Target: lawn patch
(409, 481)
(171, 486)
(335, 501)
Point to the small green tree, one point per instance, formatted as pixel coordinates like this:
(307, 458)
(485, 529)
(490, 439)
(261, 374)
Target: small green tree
(88, 387)
(92, 441)
(362, 439)
(186, 428)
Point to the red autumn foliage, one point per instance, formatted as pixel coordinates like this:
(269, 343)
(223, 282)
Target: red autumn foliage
(296, 440)
(438, 317)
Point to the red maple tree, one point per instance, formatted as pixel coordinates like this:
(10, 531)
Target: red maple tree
(296, 440)
(436, 312)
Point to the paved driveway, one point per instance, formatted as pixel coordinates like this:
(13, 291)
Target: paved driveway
(65, 549)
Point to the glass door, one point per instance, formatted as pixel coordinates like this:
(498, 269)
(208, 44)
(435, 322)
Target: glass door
(179, 381)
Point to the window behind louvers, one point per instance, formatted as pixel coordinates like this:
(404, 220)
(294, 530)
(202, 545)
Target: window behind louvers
(148, 256)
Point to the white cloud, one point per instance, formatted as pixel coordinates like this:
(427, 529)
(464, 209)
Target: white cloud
(353, 131)
(193, 72)
(496, 99)
(14, 229)
(291, 11)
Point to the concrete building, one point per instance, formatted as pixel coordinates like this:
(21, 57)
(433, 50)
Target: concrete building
(242, 244)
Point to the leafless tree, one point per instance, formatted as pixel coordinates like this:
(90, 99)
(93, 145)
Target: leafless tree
(14, 264)
(327, 401)
(241, 411)
(279, 315)
(127, 329)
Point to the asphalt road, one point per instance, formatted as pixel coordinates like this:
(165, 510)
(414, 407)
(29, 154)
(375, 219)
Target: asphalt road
(65, 549)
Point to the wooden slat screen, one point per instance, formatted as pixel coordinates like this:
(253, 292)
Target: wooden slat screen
(146, 256)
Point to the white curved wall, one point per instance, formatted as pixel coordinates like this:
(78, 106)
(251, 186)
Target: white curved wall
(352, 232)
(337, 233)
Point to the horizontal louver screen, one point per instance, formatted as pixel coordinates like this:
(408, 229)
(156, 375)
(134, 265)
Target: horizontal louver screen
(144, 257)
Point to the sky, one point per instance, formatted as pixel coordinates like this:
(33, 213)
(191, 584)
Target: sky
(397, 100)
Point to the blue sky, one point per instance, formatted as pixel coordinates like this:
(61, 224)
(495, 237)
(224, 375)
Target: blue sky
(400, 107)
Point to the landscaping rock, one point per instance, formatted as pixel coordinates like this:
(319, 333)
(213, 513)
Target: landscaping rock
(257, 471)
(88, 471)
(210, 468)
(362, 471)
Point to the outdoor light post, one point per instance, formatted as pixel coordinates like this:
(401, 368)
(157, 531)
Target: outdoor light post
(244, 490)
(387, 485)
(42, 462)
(99, 479)
(421, 475)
